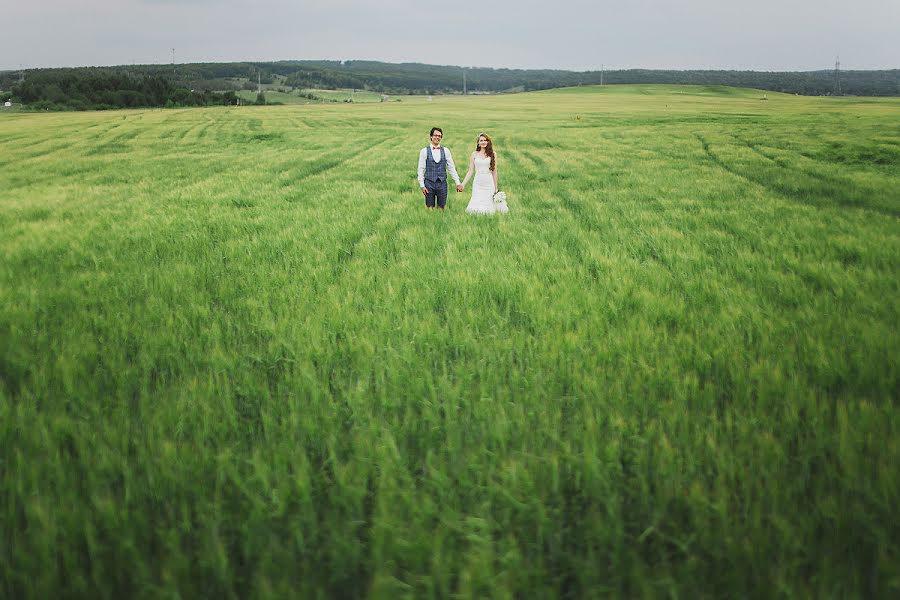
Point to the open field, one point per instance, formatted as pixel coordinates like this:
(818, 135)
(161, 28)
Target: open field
(355, 95)
(238, 358)
(273, 96)
(299, 96)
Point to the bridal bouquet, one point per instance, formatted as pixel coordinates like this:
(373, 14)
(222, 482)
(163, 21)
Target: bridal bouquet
(500, 201)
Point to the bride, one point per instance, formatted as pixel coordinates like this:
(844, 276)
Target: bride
(483, 163)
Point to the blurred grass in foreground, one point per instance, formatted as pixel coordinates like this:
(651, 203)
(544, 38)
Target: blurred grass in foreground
(239, 359)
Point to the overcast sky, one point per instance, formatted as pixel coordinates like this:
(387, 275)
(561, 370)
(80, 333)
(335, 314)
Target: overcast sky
(765, 35)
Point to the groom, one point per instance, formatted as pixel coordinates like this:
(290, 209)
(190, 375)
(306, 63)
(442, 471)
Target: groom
(434, 160)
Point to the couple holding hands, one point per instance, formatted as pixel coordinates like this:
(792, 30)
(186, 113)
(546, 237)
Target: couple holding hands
(435, 160)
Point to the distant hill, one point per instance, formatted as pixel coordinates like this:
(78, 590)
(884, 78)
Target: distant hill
(207, 83)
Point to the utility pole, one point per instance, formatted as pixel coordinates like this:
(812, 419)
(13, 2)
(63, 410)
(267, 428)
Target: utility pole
(465, 92)
(837, 77)
(173, 61)
(601, 74)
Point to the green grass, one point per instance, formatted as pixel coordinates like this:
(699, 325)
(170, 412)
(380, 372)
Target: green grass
(300, 96)
(274, 96)
(355, 95)
(238, 358)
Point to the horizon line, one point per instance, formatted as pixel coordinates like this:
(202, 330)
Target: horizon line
(342, 61)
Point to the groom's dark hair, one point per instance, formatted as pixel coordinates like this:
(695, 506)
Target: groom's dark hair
(433, 129)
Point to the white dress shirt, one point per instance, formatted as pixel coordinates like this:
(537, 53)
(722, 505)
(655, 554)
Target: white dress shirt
(436, 156)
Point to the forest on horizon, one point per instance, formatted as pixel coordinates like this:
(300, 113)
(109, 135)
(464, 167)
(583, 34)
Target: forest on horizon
(204, 84)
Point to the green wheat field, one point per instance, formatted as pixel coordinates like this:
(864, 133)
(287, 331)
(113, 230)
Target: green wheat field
(240, 359)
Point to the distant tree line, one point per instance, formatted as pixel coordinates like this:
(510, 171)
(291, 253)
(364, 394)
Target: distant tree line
(413, 78)
(807, 83)
(106, 88)
(203, 84)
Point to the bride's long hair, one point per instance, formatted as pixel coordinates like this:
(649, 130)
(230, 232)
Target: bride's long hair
(488, 150)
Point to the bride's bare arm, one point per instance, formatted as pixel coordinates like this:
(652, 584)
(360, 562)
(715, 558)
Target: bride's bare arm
(496, 186)
(471, 170)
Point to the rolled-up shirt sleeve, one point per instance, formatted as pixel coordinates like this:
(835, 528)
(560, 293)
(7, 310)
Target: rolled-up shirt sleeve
(422, 159)
(451, 166)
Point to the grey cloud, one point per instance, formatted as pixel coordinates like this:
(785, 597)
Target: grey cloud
(571, 34)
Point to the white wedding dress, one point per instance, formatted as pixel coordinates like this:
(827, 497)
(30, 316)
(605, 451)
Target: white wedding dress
(482, 202)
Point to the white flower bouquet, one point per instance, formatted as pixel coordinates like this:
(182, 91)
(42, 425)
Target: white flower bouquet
(500, 202)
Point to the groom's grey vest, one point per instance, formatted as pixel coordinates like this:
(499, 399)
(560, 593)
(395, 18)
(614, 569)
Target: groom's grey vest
(435, 171)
